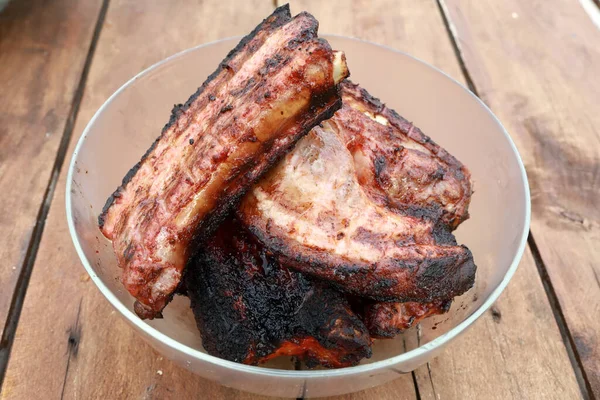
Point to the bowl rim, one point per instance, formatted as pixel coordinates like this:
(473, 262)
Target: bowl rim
(192, 353)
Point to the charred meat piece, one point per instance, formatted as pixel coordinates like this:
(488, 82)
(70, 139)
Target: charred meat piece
(314, 212)
(397, 165)
(386, 320)
(279, 82)
(249, 308)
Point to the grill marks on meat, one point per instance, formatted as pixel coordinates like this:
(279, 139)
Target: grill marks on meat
(269, 91)
(397, 165)
(317, 213)
(249, 308)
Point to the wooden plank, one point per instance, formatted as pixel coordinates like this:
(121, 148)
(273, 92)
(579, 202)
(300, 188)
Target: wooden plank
(43, 48)
(417, 28)
(536, 65)
(69, 342)
(105, 355)
(514, 351)
(401, 389)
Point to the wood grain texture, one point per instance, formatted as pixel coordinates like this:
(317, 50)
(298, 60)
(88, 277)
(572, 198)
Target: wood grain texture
(43, 48)
(401, 389)
(413, 27)
(536, 64)
(514, 351)
(69, 342)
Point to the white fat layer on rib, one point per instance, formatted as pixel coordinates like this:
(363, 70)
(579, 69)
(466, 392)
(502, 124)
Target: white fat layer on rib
(169, 279)
(340, 69)
(377, 118)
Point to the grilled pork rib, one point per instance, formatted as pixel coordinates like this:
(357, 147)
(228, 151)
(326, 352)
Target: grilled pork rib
(319, 213)
(277, 84)
(397, 165)
(386, 320)
(249, 308)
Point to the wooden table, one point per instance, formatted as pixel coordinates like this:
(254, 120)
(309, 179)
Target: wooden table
(536, 63)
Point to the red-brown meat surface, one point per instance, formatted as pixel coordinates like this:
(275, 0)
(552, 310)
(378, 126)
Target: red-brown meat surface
(277, 84)
(397, 165)
(325, 211)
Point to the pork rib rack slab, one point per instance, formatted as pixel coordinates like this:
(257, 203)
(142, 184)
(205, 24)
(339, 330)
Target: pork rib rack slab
(326, 210)
(270, 90)
(249, 308)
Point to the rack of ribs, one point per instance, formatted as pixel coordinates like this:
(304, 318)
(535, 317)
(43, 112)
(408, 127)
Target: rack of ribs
(275, 86)
(249, 308)
(367, 202)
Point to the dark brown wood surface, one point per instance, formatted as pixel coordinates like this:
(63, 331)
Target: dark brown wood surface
(535, 63)
(43, 50)
(82, 349)
(515, 351)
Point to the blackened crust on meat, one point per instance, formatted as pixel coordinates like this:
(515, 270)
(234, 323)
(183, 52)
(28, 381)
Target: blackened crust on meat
(431, 212)
(444, 278)
(249, 308)
(312, 211)
(279, 17)
(442, 234)
(377, 107)
(419, 279)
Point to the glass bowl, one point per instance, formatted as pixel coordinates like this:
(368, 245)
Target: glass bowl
(125, 126)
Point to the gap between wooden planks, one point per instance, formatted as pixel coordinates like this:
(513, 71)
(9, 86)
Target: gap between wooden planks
(536, 65)
(43, 49)
(90, 352)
